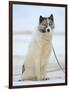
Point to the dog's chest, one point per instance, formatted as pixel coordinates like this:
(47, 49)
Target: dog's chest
(41, 48)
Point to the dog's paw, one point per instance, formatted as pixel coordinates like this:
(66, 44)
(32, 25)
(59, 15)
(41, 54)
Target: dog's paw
(46, 78)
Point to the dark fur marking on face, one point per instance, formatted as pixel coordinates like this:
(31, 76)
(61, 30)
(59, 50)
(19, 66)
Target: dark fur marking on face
(41, 19)
(45, 23)
(51, 17)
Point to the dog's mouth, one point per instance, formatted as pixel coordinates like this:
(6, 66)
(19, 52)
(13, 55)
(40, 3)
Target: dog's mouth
(44, 31)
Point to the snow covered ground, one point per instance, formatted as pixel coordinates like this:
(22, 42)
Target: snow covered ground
(54, 77)
(55, 74)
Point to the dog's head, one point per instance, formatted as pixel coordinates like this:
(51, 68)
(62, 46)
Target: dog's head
(46, 24)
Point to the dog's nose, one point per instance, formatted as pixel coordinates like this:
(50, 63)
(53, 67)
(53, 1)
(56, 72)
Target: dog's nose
(48, 30)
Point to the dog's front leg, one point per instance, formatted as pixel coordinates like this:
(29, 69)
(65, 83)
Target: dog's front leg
(37, 69)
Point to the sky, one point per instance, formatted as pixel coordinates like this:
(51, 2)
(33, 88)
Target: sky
(26, 17)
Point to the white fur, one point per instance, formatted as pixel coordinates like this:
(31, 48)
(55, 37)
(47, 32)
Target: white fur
(37, 57)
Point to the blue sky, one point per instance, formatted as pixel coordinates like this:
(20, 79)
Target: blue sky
(26, 17)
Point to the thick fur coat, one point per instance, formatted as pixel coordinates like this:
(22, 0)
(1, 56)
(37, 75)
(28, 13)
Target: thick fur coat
(36, 61)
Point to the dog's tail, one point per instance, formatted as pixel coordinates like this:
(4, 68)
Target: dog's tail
(23, 68)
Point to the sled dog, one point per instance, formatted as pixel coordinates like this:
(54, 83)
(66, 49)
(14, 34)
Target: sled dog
(36, 60)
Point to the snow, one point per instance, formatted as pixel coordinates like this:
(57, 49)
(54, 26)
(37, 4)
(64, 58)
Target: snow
(54, 77)
(55, 74)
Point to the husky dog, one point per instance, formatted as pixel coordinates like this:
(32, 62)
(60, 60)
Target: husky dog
(36, 61)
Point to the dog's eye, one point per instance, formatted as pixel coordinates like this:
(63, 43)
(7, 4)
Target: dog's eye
(50, 23)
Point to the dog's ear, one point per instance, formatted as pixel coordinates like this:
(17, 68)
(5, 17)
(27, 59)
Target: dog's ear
(51, 17)
(40, 19)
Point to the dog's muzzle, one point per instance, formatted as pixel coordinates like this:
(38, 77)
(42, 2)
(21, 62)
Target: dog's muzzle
(45, 30)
